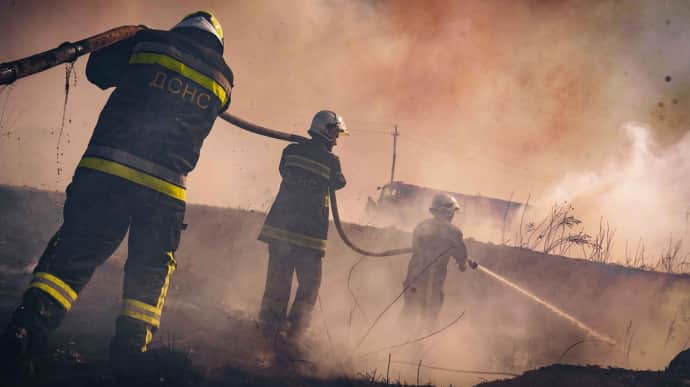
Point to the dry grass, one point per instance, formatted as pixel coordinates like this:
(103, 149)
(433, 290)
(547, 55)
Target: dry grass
(635, 259)
(671, 260)
(554, 234)
(562, 233)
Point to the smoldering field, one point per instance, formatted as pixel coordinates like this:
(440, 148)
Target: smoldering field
(584, 102)
(216, 292)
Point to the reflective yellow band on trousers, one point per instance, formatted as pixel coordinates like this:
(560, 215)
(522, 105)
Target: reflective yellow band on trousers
(55, 287)
(150, 314)
(134, 176)
(172, 265)
(175, 65)
(293, 238)
(141, 311)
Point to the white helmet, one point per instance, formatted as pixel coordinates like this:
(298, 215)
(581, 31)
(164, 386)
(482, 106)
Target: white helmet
(443, 204)
(205, 21)
(328, 125)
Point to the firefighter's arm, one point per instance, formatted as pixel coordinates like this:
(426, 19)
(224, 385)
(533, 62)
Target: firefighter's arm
(230, 76)
(337, 178)
(461, 258)
(106, 67)
(281, 166)
(460, 253)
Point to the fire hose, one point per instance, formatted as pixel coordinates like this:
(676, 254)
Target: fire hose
(246, 125)
(69, 52)
(65, 53)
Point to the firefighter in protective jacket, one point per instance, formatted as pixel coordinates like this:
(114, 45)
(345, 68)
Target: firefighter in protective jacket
(434, 241)
(169, 88)
(296, 227)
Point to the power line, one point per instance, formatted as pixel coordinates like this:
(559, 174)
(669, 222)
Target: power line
(387, 132)
(504, 164)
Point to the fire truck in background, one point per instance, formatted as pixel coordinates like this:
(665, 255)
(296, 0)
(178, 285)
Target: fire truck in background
(403, 205)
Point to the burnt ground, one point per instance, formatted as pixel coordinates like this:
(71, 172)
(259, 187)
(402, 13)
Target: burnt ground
(580, 376)
(206, 342)
(187, 352)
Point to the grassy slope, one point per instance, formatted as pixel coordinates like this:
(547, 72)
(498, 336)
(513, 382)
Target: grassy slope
(219, 250)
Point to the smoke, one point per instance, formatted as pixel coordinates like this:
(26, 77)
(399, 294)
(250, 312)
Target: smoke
(639, 191)
(475, 87)
(493, 97)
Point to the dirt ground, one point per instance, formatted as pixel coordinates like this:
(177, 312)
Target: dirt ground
(210, 327)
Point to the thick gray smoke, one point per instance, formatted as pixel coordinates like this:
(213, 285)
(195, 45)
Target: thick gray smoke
(562, 100)
(641, 191)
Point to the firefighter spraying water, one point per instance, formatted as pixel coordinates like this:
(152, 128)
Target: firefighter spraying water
(160, 66)
(434, 240)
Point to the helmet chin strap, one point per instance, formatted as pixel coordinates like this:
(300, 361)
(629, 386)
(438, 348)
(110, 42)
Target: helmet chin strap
(334, 141)
(329, 143)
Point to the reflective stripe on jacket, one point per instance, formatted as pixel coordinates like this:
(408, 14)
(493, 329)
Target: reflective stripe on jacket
(299, 214)
(169, 90)
(138, 175)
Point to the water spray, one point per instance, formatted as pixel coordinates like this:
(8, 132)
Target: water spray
(69, 52)
(548, 306)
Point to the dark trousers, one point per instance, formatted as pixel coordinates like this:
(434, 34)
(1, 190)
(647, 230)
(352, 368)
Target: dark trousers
(423, 301)
(283, 260)
(98, 211)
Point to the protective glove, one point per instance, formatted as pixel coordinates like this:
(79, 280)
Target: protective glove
(473, 264)
(462, 266)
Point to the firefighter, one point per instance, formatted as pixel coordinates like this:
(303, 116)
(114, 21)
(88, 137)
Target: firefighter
(296, 227)
(169, 88)
(434, 241)
(680, 365)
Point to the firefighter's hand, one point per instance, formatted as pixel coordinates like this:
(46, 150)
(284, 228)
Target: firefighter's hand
(462, 266)
(473, 264)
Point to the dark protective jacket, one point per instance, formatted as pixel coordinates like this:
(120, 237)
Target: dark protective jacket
(434, 240)
(169, 89)
(299, 214)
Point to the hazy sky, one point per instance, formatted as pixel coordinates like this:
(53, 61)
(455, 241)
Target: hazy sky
(490, 97)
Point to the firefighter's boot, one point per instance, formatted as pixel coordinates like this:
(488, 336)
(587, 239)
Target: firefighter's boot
(15, 356)
(128, 349)
(135, 364)
(27, 333)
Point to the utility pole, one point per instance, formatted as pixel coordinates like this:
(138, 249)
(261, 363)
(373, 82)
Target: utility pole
(395, 148)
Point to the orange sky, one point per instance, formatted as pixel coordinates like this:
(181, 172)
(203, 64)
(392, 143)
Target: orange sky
(490, 97)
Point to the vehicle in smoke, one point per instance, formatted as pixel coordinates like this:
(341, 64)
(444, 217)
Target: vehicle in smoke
(403, 205)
